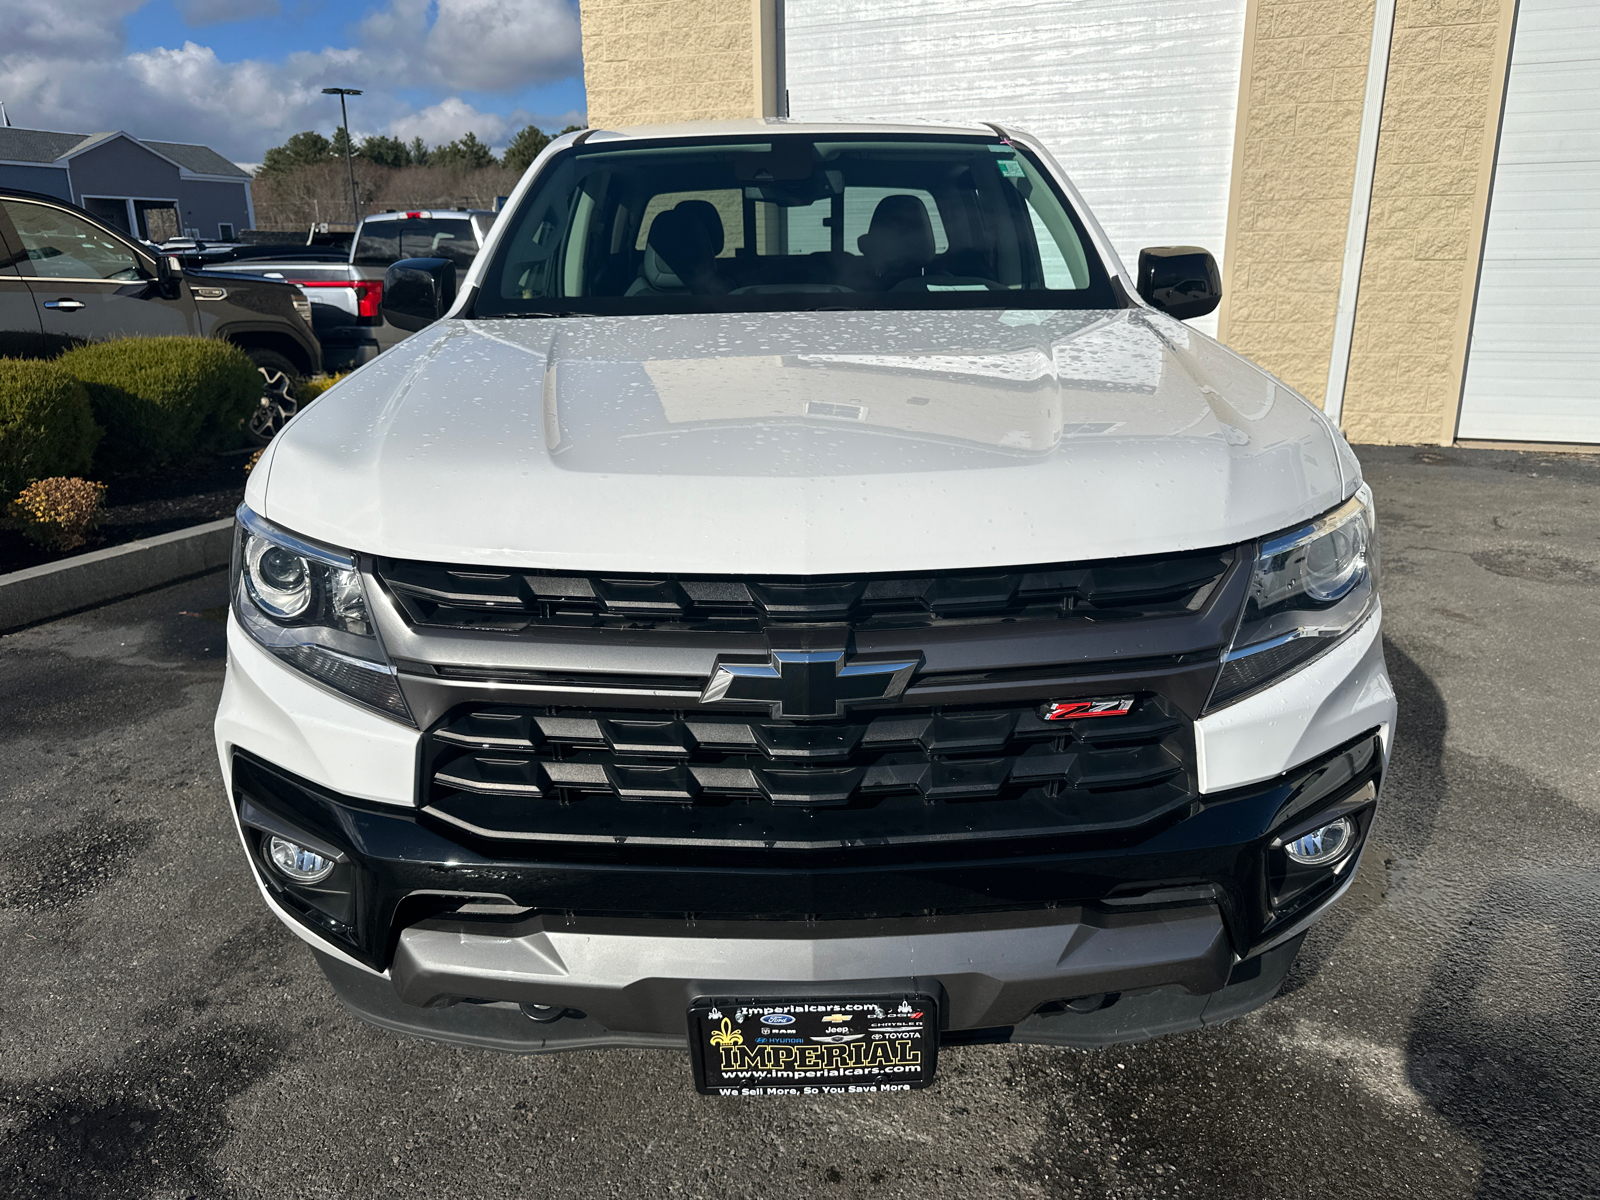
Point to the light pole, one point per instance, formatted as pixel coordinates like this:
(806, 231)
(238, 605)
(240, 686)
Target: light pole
(355, 208)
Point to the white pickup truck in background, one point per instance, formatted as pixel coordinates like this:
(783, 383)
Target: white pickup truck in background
(345, 296)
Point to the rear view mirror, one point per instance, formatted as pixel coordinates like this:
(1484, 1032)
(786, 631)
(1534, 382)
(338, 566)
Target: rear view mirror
(1182, 281)
(418, 291)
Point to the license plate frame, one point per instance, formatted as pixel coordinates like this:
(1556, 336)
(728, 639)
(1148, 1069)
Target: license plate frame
(829, 1046)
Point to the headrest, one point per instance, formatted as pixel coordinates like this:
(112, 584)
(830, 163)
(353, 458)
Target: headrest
(900, 235)
(681, 241)
(706, 213)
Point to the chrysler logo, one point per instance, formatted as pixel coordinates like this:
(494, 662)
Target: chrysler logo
(808, 683)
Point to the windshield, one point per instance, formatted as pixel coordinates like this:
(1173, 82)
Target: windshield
(386, 242)
(793, 222)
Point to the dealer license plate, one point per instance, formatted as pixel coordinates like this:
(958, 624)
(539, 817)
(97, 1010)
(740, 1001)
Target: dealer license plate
(813, 1047)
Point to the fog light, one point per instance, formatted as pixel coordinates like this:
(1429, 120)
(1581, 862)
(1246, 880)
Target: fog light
(1323, 846)
(298, 863)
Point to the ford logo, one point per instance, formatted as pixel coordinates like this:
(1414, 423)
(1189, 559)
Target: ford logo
(777, 1019)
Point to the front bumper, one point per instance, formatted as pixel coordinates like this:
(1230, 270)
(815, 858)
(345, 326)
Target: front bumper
(1004, 942)
(1103, 1019)
(1072, 944)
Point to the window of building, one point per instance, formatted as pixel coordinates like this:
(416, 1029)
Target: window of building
(158, 220)
(113, 211)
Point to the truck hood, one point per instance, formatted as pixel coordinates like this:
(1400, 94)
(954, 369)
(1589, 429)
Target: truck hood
(810, 443)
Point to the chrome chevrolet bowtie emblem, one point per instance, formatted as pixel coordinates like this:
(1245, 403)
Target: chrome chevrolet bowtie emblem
(808, 683)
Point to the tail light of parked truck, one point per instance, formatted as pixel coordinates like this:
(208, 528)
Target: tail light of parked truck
(366, 294)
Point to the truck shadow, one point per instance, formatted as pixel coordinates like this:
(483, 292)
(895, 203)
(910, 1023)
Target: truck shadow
(1506, 1038)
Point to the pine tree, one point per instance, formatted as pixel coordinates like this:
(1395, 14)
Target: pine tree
(299, 151)
(421, 156)
(525, 148)
(385, 151)
(466, 153)
(341, 141)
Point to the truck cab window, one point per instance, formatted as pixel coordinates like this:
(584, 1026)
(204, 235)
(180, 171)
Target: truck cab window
(912, 222)
(58, 245)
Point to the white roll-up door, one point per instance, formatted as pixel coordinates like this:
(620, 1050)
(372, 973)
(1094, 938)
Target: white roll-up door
(1533, 368)
(1137, 100)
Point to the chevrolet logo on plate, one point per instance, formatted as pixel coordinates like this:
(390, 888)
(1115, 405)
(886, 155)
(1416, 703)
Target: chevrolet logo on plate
(808, 683)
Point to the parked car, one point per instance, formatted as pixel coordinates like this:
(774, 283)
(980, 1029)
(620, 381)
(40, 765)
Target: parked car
(805, 602)
(345, 294)
(67, 277)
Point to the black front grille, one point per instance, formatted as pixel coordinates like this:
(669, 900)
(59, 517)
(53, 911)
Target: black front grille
(898, 775)
(503, 599)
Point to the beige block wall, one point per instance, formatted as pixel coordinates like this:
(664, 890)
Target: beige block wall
(1430, 194)
(1300, 95)
(652, 61)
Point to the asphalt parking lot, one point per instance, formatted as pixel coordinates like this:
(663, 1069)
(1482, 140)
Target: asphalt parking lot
(1440, 1035)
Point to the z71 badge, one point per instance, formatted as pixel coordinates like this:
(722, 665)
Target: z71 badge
(1073, 710)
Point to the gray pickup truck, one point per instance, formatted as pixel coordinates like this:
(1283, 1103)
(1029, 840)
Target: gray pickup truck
(345, 296)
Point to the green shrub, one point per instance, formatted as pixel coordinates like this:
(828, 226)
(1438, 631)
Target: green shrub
(21, 343)
(164, 399)
(46, 425)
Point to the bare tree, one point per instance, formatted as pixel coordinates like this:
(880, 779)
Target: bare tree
(298, 198)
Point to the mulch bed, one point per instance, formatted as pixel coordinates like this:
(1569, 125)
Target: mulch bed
(204, 489)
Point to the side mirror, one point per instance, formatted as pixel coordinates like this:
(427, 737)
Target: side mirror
(418, 291)
(169, 276)
(1182, 281)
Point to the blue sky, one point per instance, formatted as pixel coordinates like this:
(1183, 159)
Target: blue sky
(242, 75)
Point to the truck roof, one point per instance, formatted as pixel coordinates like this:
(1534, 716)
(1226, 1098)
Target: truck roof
(774, 126)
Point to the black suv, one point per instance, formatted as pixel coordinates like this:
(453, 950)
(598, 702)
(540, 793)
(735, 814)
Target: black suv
(67, 278)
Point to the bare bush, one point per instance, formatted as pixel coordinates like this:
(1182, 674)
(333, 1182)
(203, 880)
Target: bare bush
(59, 512)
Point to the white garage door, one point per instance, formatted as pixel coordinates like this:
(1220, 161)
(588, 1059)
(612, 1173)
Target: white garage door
(1137, 100)
(1533, 370)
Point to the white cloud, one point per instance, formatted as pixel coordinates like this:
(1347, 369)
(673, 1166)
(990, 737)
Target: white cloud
(80, 28)
(477, 45)
(70, 72)
(449, 119)
(215, 12)
(489, 45)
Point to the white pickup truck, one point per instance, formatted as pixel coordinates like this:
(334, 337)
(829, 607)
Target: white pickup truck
(345, 296)
(804, 602)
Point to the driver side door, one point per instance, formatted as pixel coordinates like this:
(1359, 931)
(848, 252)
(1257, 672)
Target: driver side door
(87, 282)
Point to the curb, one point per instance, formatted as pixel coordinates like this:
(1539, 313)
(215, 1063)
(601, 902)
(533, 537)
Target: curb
(56, 589)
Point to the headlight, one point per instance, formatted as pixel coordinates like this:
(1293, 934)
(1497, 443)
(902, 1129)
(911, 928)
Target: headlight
(306, 604)
(1311, 587)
